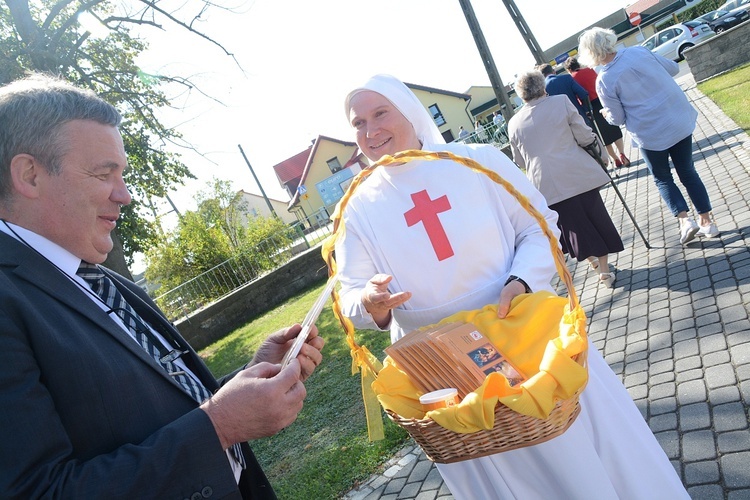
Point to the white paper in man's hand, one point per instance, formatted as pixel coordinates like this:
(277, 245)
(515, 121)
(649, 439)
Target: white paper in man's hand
(310, 319)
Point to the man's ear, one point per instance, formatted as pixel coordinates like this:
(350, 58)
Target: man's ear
(24, 173)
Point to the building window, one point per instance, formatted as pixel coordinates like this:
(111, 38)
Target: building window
(437, 115)
(334, 165)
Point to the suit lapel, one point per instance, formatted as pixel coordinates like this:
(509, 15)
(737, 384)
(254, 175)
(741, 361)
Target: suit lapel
(35, 269)
(162, 325)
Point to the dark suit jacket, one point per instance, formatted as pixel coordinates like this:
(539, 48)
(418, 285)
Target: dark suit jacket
(85, 412)
(566, 85)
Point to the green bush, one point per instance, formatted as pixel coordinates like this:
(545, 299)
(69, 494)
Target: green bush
(700, 9)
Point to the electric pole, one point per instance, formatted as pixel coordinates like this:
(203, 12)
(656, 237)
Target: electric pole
(525, 31)
(268, 202)
(506, 108)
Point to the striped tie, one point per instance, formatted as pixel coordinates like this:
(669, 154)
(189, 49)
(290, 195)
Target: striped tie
(111, 296)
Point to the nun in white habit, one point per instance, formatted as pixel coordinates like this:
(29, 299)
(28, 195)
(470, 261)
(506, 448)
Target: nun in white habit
(427, 239)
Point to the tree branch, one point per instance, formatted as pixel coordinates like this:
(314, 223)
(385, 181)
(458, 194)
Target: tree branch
(190, 28)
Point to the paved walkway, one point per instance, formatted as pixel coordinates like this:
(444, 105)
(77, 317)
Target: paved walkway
(675, 328)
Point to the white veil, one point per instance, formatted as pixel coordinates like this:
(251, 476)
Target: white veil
(406, 102)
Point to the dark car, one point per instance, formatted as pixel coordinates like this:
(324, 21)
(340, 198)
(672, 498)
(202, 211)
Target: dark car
(722, 20)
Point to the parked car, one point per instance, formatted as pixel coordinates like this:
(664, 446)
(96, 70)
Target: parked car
(673, 41)
(721, 20)
(733, 4)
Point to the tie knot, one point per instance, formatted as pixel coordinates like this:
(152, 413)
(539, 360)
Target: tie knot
(89, 272)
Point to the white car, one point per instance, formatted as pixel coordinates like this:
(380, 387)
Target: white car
(673, 41)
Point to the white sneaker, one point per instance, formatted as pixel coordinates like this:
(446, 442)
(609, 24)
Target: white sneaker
(688, 229)
(709, 231)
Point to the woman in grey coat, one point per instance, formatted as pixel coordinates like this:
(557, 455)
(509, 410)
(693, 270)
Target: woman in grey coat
(547, 137)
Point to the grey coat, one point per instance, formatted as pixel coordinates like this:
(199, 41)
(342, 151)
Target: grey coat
(546, 137)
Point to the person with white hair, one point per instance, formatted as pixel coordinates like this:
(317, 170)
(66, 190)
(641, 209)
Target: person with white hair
(397, 275)
(637, 90)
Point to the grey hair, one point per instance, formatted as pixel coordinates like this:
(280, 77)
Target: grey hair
(530, 85)
(32, 113)
(595, 45)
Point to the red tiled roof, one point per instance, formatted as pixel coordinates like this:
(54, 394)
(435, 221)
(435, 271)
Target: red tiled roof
(293, 167)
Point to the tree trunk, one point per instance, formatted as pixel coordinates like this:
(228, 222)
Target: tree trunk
(116, 258)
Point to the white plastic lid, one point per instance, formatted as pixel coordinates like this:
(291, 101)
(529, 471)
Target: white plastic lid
(437, 396)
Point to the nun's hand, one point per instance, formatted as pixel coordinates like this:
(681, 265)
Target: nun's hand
(510, 291)
(378, 301)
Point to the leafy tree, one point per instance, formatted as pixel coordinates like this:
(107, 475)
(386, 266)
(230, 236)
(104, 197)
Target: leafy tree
(47, 36)
(221, 205)
(219, 239)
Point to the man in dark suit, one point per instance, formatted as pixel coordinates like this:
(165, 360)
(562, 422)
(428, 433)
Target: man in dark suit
(565, 84)
(100, 397)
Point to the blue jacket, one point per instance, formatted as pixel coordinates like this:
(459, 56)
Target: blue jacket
(565, 84)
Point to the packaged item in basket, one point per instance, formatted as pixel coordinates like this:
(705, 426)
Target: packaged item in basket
(453, 355)
(478, 354)
(464, 379)
(442, 398)
(414, 364)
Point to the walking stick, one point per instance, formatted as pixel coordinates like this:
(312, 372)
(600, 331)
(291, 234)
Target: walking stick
(599, 133)
(594, 150)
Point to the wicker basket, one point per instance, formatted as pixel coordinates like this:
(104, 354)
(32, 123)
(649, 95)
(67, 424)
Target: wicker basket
(511, 430)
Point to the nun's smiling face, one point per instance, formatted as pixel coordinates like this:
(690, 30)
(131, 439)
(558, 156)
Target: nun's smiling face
(381, 128)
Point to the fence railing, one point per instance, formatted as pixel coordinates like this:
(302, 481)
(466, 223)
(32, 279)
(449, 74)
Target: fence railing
(497, 135)
(236, 272)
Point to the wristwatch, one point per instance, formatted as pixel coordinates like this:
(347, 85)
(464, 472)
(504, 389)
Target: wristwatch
(516, 278)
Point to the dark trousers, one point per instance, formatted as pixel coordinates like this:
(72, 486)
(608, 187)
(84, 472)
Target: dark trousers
(682, 158)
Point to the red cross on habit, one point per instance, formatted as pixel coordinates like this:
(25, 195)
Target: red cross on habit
(427, 210)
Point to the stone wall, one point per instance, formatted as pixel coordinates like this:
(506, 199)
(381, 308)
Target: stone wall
(720, 53)
(220, 318)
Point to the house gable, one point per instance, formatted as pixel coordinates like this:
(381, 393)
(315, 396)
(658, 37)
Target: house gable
(330, 165)
(253, 205)
(449, 109)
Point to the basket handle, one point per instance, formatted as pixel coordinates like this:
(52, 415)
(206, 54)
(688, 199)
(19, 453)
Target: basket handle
(362, 359)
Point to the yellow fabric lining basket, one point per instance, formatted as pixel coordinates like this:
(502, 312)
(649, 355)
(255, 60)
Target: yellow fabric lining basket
(543, 335)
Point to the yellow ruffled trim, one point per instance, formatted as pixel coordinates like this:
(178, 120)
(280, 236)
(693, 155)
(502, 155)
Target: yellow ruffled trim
(540, 335)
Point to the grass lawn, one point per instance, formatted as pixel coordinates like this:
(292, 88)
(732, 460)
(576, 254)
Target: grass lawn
(731, 92)
(326, 451)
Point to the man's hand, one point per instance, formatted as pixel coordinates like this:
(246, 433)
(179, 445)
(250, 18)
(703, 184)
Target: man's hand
(509, 292)
(257, 402)
(379, 302)
(273, 349)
